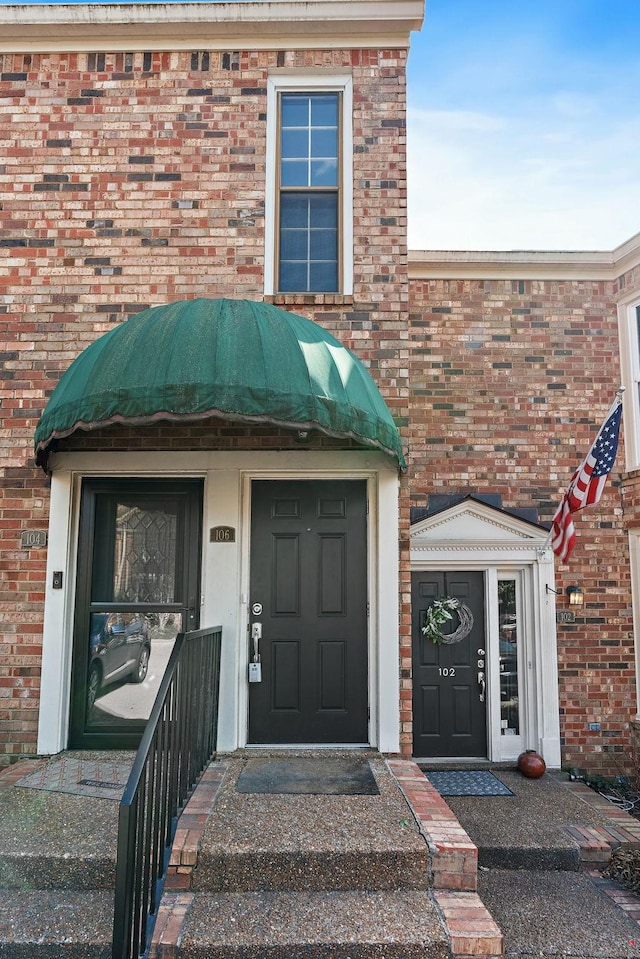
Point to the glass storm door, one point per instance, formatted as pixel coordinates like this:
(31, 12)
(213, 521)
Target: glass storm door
(137, 588)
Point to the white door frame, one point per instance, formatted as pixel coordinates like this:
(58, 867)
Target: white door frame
(472, 535)
(227, 477)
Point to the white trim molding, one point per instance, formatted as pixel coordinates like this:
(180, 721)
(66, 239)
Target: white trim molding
(472, 535)
(250, 25)
(321, 81)
(525, 264)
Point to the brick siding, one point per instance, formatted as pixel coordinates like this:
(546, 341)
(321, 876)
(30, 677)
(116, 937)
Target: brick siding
(510, 381)
(133, 179)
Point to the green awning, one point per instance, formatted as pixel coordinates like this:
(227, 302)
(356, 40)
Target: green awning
(235, 359)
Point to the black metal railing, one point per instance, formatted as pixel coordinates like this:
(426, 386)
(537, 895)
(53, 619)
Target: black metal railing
(178, 742)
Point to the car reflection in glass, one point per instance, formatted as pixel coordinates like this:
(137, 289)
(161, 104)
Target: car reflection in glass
(119, 648)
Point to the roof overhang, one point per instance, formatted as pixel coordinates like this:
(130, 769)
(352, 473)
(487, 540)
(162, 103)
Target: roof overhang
(525, 264)
(252, 24)
(235, 360)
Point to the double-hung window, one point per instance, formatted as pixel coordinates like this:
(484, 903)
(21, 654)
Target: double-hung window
(309, 189)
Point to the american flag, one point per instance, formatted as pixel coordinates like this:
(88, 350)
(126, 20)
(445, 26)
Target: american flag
(587, 483)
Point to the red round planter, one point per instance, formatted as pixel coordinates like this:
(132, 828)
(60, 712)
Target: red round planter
(531, 764)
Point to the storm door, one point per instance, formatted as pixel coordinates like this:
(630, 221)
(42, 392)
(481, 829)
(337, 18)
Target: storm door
(449, 666)
(309, 605)
(137, 588)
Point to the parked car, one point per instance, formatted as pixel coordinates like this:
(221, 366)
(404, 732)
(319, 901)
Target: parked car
(119, 648)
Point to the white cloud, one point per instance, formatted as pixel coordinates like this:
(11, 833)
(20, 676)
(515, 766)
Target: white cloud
(550, 178)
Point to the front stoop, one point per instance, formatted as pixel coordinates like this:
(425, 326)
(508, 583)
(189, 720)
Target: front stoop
(267, 900)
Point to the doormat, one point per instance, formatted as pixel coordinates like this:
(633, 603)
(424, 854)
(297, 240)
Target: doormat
(97, 778)
(308, 777)
(467, 782)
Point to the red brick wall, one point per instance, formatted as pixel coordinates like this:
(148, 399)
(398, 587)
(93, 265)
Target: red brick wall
(128, 180)
(510, 381)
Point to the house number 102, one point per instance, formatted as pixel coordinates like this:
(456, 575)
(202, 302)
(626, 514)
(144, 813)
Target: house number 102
(447, 670)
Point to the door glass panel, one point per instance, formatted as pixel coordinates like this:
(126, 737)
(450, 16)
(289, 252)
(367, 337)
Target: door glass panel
(135, 551)
(128, 654)
(509, 643)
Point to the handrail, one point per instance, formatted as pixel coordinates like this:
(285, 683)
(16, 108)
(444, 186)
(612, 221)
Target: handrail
(178, 741)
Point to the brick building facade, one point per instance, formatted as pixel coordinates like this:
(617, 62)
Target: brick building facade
(139, 156)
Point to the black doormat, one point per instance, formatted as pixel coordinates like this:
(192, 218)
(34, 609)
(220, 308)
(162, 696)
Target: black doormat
(466, 782)
(308, 777)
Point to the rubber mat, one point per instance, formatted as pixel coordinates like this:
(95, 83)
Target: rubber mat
(319, 777)
(98, 778)
(467, 782)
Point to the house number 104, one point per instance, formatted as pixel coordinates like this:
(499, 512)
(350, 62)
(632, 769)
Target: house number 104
(447, 670)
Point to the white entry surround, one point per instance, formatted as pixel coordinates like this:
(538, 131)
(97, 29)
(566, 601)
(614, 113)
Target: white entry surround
(472, 535)
(225, 572)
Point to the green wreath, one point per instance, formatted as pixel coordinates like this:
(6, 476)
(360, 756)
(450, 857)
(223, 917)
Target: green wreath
(440, 612)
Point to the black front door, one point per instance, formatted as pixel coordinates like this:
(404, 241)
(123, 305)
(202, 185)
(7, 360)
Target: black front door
(449, 708)
(309, 594)
(137, 588)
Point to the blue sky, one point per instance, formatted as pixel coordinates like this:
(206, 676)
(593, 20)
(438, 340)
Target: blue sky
(524, 125)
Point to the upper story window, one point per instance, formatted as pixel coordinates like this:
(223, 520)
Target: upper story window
(629, 331)
(309, 187)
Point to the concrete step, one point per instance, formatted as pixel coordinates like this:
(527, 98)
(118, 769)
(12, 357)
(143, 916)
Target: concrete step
(403, 924)
(277, 842)
(47, 924)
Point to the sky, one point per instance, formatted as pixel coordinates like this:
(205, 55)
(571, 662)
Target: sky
(524, 125)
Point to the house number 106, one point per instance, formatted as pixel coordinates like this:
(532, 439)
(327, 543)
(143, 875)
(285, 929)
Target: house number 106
(447, 670)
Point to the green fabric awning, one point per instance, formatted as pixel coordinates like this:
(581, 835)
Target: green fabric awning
(235, 359)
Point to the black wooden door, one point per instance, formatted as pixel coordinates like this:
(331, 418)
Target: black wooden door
(309, 575)
(137, 588)
(449, 705)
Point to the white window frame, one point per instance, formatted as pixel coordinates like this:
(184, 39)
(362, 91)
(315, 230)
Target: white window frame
(305, 83)
(630, 371)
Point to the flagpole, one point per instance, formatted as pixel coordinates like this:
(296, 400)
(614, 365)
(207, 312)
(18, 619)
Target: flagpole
(616, 402)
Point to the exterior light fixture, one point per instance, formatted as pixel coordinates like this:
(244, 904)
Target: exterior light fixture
(576, 596)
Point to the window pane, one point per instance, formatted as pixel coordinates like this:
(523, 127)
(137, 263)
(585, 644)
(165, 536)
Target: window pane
(323, 277)
(295, 110)
(293, 277)
(324, 110)
(508, 624)
(323, 244)
(294, 173)
(295, 143)
(293, 244)
(324, 210)
(324, 173)
(294, 210)
(324, 143)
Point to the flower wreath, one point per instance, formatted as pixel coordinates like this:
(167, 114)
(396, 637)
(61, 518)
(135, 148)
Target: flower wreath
(440, 612)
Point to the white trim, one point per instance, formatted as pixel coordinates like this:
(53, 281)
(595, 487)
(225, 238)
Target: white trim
(309, 82)
(629, 348)
(474, 536)
(634, 562)
(225, 579)
(525, 264)
(250, 25)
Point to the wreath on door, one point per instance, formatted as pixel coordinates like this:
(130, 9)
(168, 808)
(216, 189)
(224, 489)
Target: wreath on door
(441, 612)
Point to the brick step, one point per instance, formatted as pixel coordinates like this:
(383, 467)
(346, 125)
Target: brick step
(403, 924)
(44, 924)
